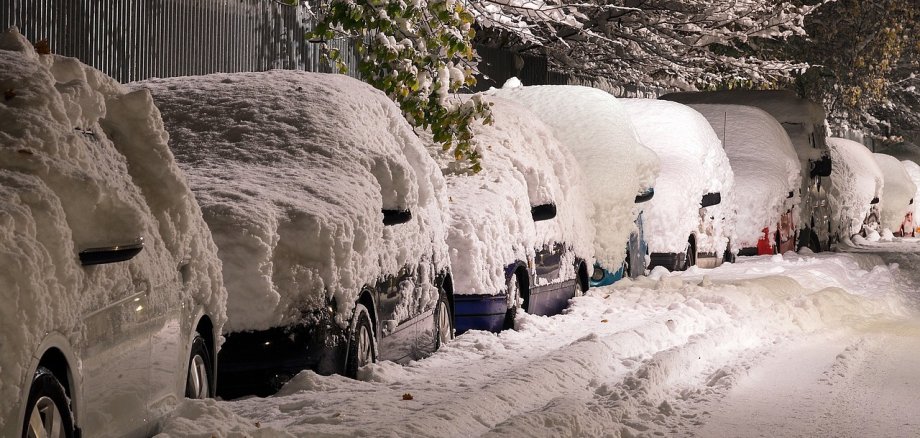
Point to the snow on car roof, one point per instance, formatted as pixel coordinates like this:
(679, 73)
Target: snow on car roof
(84, 164)
(292, 170)
(593, 125)
(693, 163)
(899, 190)
(855, 180)
(764, 163)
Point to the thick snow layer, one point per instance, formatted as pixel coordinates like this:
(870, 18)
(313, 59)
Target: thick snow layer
(292, 170)
(855, 180)
(898, 192)
(765, 166)
(651, 357)
(523, 165)
(83, 164)
(902, 151)
(593, 125)
(913, 170)
(693, 163)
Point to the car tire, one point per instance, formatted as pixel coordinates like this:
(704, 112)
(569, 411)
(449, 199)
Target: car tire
(627, 266)
(514, 294)
(362, 348)
(200, 370)
(444, 322)
(47, 408)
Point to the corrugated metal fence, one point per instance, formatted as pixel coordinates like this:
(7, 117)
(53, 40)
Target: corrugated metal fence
(137, 39)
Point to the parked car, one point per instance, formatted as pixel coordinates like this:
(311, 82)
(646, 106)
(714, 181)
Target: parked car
(909, 227)
(767, 178)
(112, 296)
(896, 206)
(857, 183)
(519, 235)
(685, 225)
(620, 171)
(804, 122)
(329, 217)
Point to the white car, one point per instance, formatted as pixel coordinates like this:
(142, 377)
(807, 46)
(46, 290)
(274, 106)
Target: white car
(896, 206)
(619, 169)
(519, 231)
(112, 296)
(909, 228)
(329, 216)
(857, 184)
(767, 178)
(685, 221)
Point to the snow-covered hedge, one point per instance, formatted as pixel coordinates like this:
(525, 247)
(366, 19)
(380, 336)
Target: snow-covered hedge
(693, 163)
(84, 163)
(764, 164)
(292, 170)
(595, 128)
(523, 166)
(855, 180)
(899, 190)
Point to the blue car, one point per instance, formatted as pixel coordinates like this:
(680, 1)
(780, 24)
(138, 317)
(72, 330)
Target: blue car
(636, 250)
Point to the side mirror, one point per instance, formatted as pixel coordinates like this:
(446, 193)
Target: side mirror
(911, 201)
(111, 254)
(396, 217)
(791, 194)
(543, 212)
(710, 199)
(821, 167)
(874, 201)
(645, 196)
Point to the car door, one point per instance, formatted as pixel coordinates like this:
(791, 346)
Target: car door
(168, 339)
(396, 329)
(547, 273)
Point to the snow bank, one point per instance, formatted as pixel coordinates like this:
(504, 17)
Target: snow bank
(765, 166)
(899, 191)
(84, 163)
(855, 180)
(693, 163)
(595, 128)
(913, 170)
(523, 165)
(292, 170)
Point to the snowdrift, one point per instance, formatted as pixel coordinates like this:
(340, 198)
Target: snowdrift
(898, 193)
(764, 164)
(595, 128)
(855, 180)
(292, 170)
(693, 163)
(523, 165)
(84, 163)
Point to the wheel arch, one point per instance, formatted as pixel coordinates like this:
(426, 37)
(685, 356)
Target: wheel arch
(56, 354)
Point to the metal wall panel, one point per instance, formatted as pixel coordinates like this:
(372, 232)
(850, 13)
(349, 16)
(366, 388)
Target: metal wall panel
(138, 39)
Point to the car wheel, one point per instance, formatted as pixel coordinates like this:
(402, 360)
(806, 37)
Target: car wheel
(627, 266)
(198, 381)
(362, 350)
(47, 409)
(445, 321)
(514, 293)
(813, 243)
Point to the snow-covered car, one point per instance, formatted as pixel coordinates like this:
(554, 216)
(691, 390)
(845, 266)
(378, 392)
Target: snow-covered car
(804, 123)
(767, 178)
(620, 171)
(857, 184)
(329, 217)
(909, 227)
(896, 205)
(519, 233)
(112, 294)
(685, 223)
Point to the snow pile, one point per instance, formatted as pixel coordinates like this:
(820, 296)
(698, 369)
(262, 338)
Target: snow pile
(764, 164)
(693, 164)
(84, 164)
(855, 180)
(594, 126)
(292, 170)
(523, 165)
(898, 193)
(913, 170)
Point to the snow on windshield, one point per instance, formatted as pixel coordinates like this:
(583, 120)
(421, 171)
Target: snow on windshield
(855, 180)
(292, 170)
(693, 163)
(84, 164)
(596, 129)
(765, 166)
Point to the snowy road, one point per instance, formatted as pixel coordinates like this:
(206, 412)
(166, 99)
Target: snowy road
(799, 345)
